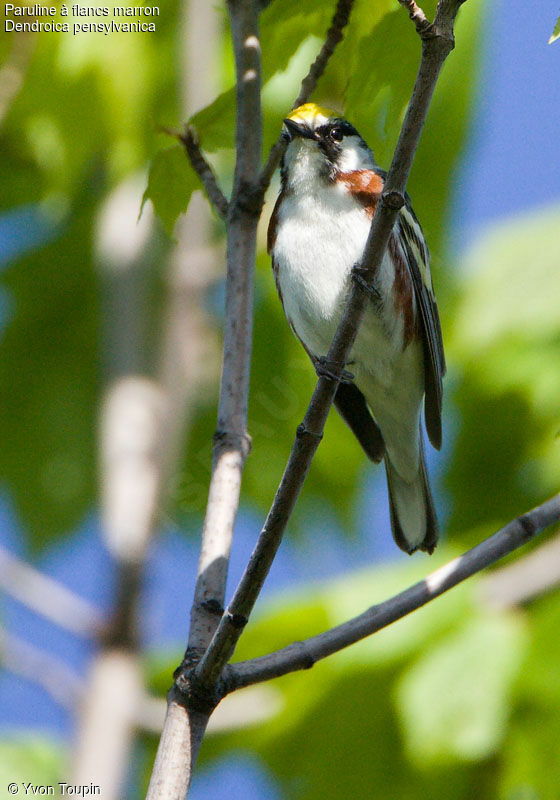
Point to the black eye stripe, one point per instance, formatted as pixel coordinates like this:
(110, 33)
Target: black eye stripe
(336, 130)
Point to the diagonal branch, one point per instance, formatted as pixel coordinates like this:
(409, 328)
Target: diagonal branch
(204, 171)
(437, 43)
(416, 14)
(303, 655)
(334, 36)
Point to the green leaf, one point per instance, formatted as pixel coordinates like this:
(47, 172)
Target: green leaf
(215, 124)
(555, 32)
(170, 184)
(454, 700)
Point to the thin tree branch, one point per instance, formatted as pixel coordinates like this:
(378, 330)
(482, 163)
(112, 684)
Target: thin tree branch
(47, 597)
(133, 415)
(334, 35)
(204, 171)
(421, 22)
(437, 43)
(187, 716)
(303, 655)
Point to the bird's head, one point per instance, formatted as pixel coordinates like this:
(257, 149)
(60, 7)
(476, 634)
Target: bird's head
(321, 144)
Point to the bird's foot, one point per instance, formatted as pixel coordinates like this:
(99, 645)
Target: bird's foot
(360, 277)
(324, 369)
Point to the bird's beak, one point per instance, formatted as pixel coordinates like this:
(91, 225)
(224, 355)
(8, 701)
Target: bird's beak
(294, 129)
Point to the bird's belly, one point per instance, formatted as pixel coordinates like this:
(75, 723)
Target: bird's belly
(314, 257)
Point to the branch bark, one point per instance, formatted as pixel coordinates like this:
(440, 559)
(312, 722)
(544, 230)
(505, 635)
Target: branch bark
(188, 715)
(204, 171)
(303, 655)
(437, 43)
(421, 22)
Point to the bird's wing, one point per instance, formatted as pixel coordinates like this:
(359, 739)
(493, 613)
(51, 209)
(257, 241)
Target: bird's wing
(366, 186)
(418, 259)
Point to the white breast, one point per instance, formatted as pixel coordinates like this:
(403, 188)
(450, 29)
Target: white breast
(320, 237)
(317, 244)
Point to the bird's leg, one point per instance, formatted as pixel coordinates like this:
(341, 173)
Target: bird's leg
(324, 367)
(359, 276)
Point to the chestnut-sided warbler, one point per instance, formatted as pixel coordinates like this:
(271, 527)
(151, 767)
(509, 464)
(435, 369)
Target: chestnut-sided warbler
(330, 188)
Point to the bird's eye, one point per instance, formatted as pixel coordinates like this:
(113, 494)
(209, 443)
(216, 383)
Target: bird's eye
(336, 134)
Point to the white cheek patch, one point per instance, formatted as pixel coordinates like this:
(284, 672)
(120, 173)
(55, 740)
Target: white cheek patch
(354, 155)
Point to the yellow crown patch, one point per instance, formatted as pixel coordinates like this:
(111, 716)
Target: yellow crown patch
(312, 114)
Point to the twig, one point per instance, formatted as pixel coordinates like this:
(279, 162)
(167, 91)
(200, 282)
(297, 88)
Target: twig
(47, 597)
(308, 84)
(334, 36)
(303, 655)
(421, 22)
(204, 171)
(435, 49)
(187, 717)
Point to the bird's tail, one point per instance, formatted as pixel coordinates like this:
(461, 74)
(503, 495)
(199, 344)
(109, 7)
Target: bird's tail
(413, 517)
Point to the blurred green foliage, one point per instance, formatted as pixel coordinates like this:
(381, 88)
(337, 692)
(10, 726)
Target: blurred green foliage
(30, 760)
(84, 120)
(505, 341)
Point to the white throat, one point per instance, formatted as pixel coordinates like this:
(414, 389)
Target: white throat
(306, 165)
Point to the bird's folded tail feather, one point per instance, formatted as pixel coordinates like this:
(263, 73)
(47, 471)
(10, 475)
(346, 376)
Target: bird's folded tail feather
(413, 517)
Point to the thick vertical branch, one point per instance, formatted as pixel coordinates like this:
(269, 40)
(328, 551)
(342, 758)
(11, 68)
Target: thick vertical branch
(231, 441)
(188, 715)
